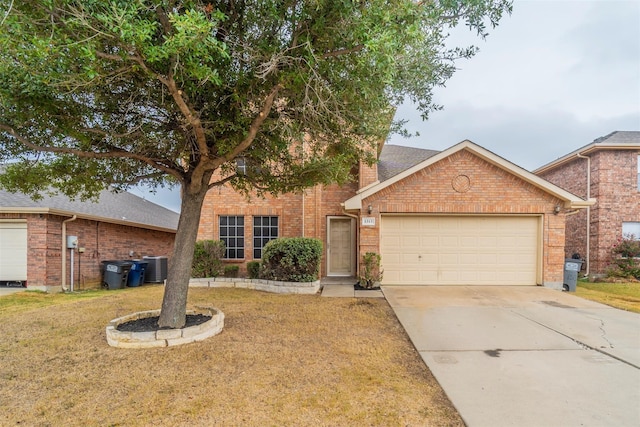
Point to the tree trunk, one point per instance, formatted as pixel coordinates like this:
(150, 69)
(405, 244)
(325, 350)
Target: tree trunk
(174, 304)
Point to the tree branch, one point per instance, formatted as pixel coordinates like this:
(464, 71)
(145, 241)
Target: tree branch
(341, 52)
(114, 153)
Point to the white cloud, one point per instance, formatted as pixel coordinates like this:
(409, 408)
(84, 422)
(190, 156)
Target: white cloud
(549, 79)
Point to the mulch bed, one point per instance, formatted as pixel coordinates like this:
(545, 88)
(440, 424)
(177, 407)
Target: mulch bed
(150, 324)
(357, 287)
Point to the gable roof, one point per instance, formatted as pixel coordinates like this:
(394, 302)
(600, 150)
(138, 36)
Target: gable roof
(118, 208)
(618, 140)
(395, 159)
(571, 200)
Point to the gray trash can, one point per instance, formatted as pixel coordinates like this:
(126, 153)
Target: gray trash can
(115, 273)
(571, 269)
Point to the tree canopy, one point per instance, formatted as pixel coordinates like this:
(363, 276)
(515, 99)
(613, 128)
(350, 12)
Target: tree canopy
(124, 92)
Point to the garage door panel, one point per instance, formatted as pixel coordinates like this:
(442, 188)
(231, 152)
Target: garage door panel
(460, 250)
(13, 251)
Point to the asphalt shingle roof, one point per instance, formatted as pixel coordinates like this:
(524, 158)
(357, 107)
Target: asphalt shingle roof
(620, 137)
(120, 207)
(395, 159)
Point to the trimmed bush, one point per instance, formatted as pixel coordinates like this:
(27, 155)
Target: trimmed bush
(207, 258)
(231, 270)
(625, 258)
(253, 269)
(292, 259)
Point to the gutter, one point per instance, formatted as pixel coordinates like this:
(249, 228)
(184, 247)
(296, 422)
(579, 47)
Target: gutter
(64, 251)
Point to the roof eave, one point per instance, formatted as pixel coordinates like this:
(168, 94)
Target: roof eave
(49, 211)
(583, 151)
(355, 203)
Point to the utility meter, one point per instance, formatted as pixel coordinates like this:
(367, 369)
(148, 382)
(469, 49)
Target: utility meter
(72, 242)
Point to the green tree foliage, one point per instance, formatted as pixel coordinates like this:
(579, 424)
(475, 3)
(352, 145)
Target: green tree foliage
(292, 259)
(167, 92)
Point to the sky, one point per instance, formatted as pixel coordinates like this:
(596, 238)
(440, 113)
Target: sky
(551, 78)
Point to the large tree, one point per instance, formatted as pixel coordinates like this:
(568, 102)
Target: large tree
(97, 93)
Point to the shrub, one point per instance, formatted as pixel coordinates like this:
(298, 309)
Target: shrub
(371, 273)
(253, 269)
(231, 270)
(207, 258)
(292, 259)
(624, 258)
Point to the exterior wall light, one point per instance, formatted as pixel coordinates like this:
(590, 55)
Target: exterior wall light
(369, 209)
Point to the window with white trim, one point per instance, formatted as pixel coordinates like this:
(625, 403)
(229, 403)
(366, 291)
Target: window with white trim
(265, 229)
(232, 234)
(631, 228)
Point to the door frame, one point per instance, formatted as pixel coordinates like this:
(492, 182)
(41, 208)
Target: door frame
(352, 238)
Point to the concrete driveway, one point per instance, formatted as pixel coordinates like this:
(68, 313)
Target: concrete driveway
(525, 356)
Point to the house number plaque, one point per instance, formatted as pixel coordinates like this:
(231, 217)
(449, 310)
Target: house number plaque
(368, 220)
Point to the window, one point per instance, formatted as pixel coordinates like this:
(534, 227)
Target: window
(241, 166)
(265, 228)
(631, 228)
(638, 172)
(232, 234)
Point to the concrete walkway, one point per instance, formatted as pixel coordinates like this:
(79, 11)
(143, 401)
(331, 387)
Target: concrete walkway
(8, 290)
(525, 356)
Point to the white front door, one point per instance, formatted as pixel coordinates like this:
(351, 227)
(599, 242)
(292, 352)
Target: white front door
(340, 247)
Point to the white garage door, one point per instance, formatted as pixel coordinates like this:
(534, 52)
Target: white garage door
(459, 250)
(13, 251)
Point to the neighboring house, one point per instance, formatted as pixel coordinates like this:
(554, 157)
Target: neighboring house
(608, 170)
(33, 237)
(463, 216)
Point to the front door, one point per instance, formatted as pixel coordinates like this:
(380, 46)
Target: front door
(340, 247)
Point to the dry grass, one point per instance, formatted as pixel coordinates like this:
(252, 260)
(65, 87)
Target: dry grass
(625, 296)
(280, 360)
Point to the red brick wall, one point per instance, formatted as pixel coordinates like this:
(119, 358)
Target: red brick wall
(492, 191)
(573, 178)
(101, 240)
(300, 215)
(614, 186)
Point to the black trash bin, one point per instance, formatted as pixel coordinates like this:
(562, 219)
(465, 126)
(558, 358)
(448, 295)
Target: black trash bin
(571, 268)
(115, 273)
(136, 274)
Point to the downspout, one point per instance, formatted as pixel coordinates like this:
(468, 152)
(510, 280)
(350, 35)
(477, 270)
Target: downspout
(64, 251)
(588, 225)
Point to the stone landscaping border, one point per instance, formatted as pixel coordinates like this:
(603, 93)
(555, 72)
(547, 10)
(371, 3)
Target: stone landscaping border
(164, 337)
(273, 286)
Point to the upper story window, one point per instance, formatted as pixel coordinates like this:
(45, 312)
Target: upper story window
(631, 228)
(241, 166)
(232, 234)
(265, 228)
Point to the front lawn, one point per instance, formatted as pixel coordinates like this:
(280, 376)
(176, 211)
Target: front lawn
(300, 360)
(625, 296)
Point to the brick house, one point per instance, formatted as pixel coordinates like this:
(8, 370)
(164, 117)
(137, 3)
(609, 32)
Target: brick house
(608, 170)
(460, 216)
(33, 234)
